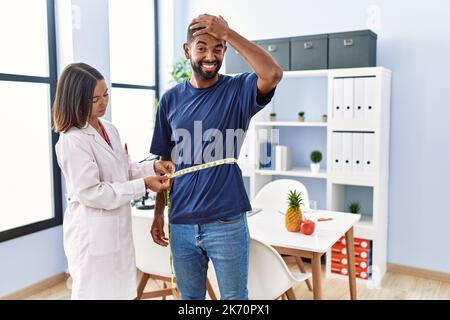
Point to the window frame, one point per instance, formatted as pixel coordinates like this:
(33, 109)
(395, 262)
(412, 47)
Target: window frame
(154, 87)
(51, 80)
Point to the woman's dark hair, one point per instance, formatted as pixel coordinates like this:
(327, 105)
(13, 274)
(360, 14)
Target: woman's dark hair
(73, 102)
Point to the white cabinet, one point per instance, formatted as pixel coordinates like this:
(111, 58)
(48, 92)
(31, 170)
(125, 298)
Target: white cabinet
(364, 128)
(357, 147)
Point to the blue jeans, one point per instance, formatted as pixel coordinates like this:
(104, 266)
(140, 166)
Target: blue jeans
(226, 243)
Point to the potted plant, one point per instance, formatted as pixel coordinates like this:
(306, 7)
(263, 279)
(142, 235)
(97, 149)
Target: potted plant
(301, 116)
(354, 207)
(324, 118)
(316, 157)
(181, 71)
(273, 116)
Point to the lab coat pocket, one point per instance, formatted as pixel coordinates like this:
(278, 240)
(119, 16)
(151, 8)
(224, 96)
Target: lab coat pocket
(103, 235)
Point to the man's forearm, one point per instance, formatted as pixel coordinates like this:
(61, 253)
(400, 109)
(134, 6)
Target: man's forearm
(262, 62)
(160, 203)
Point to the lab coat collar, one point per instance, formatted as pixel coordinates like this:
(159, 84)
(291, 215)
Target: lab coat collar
(90, 130)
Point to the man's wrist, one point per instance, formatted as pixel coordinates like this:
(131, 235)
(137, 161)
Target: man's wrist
(229, 35)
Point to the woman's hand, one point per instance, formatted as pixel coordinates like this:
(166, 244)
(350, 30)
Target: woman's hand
(157, 183)
(163, 167)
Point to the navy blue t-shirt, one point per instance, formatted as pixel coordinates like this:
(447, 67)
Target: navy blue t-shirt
(196, 122)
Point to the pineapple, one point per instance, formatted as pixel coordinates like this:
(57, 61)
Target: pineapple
(294, 217)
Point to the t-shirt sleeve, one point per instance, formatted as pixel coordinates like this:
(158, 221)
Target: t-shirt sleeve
(249, 94)
(162, 143)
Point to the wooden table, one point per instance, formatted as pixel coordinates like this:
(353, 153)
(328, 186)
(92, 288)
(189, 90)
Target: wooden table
(269, 227)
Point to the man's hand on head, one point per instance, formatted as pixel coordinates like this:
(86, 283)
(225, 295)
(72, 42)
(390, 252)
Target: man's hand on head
(212, 25)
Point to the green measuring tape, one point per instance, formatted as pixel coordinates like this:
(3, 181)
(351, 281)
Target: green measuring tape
(183, 172)
(202, 167)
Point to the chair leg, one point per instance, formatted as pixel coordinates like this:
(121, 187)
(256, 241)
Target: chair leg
(142, 284)
(302, 268)
(290, 294)
(210, 290)
(176, 294)
(165, 287)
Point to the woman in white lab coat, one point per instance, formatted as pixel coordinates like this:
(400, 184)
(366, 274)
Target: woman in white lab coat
(101, 184)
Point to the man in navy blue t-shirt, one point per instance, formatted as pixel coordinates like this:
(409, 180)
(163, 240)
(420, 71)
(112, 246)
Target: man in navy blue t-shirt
(198, 121)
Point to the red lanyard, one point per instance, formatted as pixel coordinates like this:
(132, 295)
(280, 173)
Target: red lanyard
(105, 134)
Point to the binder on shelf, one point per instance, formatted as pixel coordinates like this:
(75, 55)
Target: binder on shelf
(359, 252)
(348, 98)
(347, 151)
(358, 153)
(370, 103)
(342, 259)
(359, 98)
(337, 151)
(266, 156)
(369, 151)
(360, 242)
(283, 160)
(362, 273)
(338, 99)
(363, 243)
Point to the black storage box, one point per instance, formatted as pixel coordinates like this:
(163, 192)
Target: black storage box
(309, 52)
(352, 49)
(279, 49)
(234, 62)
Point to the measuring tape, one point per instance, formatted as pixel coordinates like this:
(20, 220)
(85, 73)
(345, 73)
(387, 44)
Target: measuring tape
(167, 193)
(202, 167)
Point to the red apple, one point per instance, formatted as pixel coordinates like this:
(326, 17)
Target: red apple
(307, 227)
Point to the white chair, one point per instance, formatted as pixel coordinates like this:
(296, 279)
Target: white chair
(274, 197)
(269, 278)
(153, 260)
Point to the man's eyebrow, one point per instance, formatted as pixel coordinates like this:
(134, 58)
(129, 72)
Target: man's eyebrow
(204, 43)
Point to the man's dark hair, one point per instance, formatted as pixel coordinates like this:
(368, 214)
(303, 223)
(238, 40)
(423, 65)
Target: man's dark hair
(190, 33)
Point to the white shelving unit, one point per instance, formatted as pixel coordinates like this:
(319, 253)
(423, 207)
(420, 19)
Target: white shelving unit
(289, 124)
(372, 227)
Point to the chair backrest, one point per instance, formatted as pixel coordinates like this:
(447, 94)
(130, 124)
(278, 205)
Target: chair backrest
(274, 195)
(268, 274)
(151, 258)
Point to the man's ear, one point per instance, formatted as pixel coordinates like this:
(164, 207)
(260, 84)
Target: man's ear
(186, 50)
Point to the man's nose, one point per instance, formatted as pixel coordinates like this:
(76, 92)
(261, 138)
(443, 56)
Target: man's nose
(210, 56)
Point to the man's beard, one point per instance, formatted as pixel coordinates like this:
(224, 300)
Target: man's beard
(206, 75)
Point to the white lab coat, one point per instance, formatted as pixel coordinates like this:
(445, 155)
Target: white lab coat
(97, 224)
